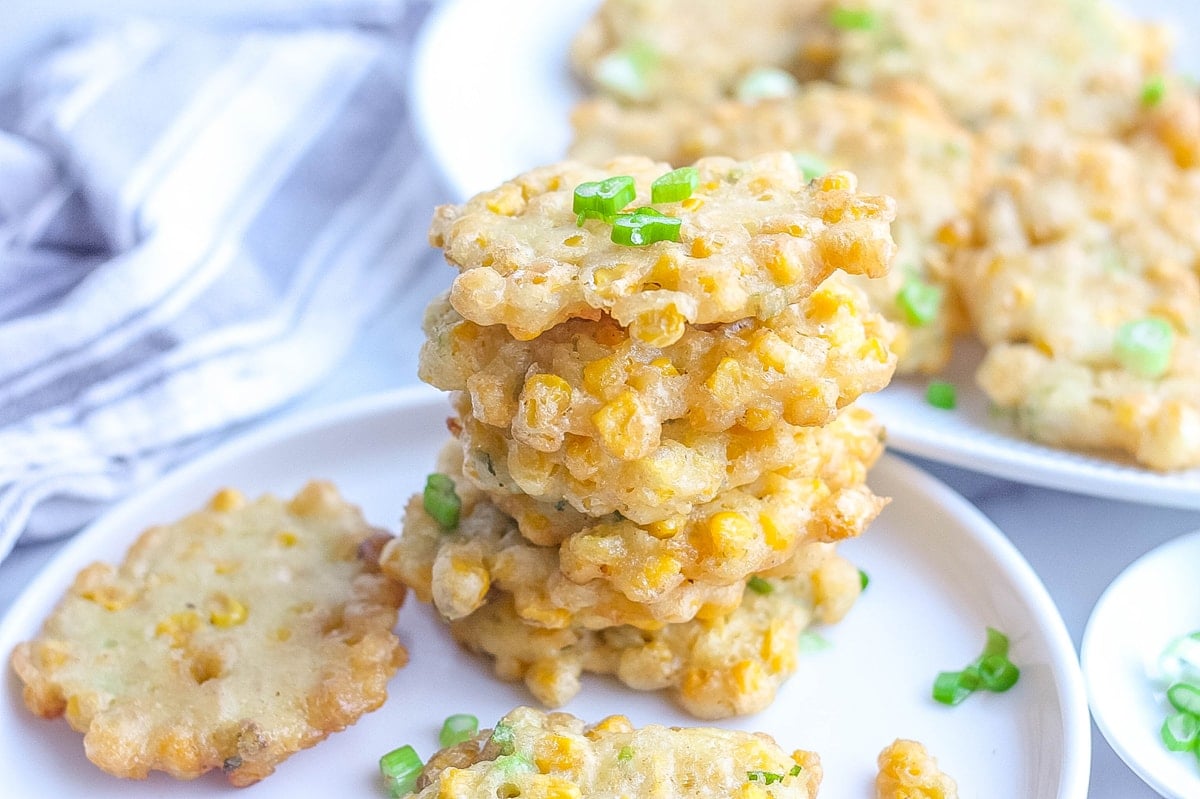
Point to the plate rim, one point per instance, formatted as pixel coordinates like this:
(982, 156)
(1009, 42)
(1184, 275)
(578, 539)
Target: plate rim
(978, 530)
(1188, 540)
(1018, 459)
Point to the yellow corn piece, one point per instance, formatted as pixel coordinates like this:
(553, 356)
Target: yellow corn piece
(226, 500)
(111, 597)
(286, 539)
(545, 398)
(776, 536)
(602, 374)
(225, 611)
(836, 181)
(178, 627)
(613, 422)
(659, 327)
(730, 534)
(747, 676)
(558, 753)
(726, 382)
(666, 528)
(659, 573)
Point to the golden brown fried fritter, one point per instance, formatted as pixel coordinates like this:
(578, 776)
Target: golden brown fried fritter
(615, 572)
(717, 665)
(228, 640)
(557, 756)
(755, 237)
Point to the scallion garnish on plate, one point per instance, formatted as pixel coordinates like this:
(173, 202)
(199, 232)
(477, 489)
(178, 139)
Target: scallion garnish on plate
(991, 671)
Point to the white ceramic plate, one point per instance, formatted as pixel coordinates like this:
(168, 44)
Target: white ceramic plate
(491, 106)
(940, 572)
(1154, 600)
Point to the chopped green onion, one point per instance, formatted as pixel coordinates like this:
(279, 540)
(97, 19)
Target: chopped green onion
(603, 199)
(759, 586)
(864, 580)
(644, 226)
(941, 394)
(1181, 732)
(765, 777)
(795, 770)
(996, 644)
(458, 728)
(502, 736)
(626, 754)
(1179, 661)
(400, 769)
(852, 19)
(1185, 698)
(813, 642)
(512, 764)
(1143, 346)
(809, 165)
(919, 301)
(676, 185)
(441, 500)
(1153, 91)
(766, 83)
(624, 72)
(951, 687)
(991, 671)
(997, 673)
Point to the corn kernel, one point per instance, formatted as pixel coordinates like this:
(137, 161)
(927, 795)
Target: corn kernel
(665, 366)
(455, 783)
(111, 597)
(692, 203)
(726, 381)
(552, 787)
(621, 425)
(225, 611)
(545, 398)
(784, 270)
(665, 528)
(51, 655)
(758, 419)
(825, 302)
(508, 201)
(873, 348)
(557, 753)
(694, 682)
(226, 500)
(730, 534)
(178, 627)
(659, 573)
(573, 241)
(609, 724)
(835, 181)
(602, 374)
(286, 539)
(776, 536)
(747, 676)
(659, 327)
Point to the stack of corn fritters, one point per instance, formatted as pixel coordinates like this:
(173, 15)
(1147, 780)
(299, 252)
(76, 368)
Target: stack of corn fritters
(655, 447)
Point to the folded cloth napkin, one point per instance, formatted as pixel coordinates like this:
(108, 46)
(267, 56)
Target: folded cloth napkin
(194, 225)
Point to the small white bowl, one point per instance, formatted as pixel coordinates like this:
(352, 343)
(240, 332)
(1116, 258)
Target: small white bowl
(1154, 600)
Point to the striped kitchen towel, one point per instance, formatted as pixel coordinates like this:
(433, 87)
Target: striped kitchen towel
(194, 226)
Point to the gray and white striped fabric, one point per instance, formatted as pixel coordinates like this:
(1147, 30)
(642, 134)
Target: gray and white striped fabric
(194, 225)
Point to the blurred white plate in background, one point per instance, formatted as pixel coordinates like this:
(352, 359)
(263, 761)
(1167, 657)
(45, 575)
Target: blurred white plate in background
(491, 105)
